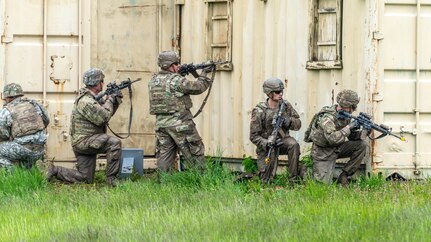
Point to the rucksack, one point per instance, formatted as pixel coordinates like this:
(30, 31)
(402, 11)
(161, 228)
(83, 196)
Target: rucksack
(307, 135)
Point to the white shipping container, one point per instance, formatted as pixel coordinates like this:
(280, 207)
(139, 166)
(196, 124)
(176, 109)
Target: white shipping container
(378, 48)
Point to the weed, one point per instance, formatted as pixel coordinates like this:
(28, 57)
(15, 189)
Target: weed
(373, 182)
(20, 181)
(250, 165)
(306, 159)
(209, 206)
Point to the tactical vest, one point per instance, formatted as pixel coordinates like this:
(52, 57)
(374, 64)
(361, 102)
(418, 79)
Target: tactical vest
(314, 133)
(267, 120)
(164, 99)
(25, 118)
(80, 124)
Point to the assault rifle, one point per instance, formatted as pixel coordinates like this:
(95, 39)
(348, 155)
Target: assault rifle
(187, 68)
(365, 121)
(113, 88)
(277, 122)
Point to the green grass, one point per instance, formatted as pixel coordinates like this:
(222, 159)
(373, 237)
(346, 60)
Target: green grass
(190, 206)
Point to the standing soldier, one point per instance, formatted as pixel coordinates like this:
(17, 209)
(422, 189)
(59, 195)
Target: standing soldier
(261, 127)
(88, 132)
(170, 101)
(22, 124)
(335, 137)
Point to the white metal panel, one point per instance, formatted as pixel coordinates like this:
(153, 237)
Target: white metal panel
(400, 35)
(43, 55)
(269, 39)
(425, 35)
(405, 89)
(126, 46)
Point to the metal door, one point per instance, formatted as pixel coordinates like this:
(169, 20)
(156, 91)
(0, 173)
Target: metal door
(404, 86)
(127, 46)
(43, 53)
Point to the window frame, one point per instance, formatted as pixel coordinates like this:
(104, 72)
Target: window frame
(210, 45)
(314, 63)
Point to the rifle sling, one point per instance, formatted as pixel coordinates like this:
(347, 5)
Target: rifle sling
(378, 137)
(208, 94)
(130, 117)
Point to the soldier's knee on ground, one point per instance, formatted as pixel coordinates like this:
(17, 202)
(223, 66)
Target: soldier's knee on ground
(323, 170)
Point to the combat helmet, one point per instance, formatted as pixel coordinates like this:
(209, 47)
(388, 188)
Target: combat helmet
(272, 84)
(12, 90)
(92, 77)
(167, 58)
(347, 98)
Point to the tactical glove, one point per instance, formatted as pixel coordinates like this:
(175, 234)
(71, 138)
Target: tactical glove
(271, 141)
(286, 123)
(193, 71)
(117, 97)
(278, 142)
(354, 124)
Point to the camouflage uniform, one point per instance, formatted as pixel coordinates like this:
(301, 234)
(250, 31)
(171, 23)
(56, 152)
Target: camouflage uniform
(22, 124)
(89, 138)
(175, 130)
(261, 128)
(333, 139)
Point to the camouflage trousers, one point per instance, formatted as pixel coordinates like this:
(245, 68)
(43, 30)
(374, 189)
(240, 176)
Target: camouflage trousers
(290, 147)
(183, 138)
(86, 153)
(324, 159)
(13, 153)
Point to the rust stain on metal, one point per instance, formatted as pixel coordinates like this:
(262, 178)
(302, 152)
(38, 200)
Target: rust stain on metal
(332, 96)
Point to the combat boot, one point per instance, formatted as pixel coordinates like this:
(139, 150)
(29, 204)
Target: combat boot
(342, 179)
(111, 181)
(52, 171)
(47, 168)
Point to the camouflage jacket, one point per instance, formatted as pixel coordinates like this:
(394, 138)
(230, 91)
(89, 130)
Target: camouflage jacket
(23, 121)
(89, 117)
(329, 130)
(261, 123)
(170, 97)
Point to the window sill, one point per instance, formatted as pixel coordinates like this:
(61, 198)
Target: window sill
(324, 65)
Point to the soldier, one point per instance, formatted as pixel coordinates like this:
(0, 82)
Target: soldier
(22, 124)
(170, 101)
(261, 127)
(334, 137)
(88, 133)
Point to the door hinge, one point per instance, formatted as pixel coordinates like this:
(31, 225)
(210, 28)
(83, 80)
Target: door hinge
(6, 39)
(377, 35)
(377, 97)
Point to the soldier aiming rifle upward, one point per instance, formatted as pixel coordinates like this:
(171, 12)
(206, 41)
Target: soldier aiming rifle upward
(185, 69)
(112, 88)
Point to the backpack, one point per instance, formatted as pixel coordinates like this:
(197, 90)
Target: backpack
(307, 135)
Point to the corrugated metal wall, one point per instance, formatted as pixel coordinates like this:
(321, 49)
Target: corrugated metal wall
(269, 39)
(43, 53)
(404, 87)
(49, 49)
